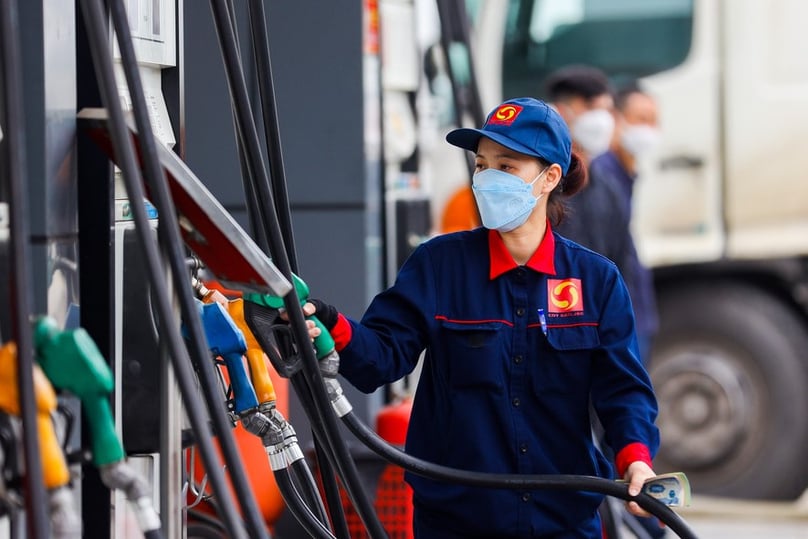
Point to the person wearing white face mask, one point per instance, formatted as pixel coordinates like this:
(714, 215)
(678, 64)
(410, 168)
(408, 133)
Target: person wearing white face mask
(583, 97)
(600, 215)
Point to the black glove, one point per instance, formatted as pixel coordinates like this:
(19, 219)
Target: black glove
(325, 313)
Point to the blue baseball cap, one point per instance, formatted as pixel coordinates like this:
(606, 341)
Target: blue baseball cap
(525, 125)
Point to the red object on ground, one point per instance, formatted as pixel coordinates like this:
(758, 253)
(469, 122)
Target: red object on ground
(393, 496)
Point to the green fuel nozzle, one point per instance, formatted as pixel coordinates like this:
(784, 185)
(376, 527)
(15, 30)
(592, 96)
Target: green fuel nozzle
(72, 361)
(324, 344)
(327, 357)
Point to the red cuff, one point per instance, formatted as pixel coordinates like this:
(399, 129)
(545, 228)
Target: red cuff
(341, 333)
(632, 453)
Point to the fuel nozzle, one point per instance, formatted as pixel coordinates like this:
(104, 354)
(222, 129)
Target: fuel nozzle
(72, 361)
(327, 356)
(64, 516)
(226, 340)
(285, 446)
(323, 344)
(261, 381)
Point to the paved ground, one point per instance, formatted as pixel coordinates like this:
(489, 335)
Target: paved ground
(745, 529)
(714, 518)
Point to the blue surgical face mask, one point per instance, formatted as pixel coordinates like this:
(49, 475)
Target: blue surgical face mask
(505, 201)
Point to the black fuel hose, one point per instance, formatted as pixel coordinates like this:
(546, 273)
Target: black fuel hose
(98, 36)
(300, 510)
(266, 89)
(21, 300)
(249, 136)
(324, 458)
(258, 228)
(343, 461)
(306, 485)
(514, 481)
(247, 181)
(277, 175)
(332, 498)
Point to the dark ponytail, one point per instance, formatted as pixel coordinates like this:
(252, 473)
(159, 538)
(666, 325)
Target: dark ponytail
(573, 181)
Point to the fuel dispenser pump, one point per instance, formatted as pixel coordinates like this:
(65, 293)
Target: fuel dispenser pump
(170, 239)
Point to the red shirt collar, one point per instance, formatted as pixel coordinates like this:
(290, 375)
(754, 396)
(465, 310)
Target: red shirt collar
(501, 260)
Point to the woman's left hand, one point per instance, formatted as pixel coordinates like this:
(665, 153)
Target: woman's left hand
(638, 472)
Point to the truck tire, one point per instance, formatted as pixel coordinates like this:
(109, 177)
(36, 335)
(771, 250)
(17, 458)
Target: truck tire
(729, 374)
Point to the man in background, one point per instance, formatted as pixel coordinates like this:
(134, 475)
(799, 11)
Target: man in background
(600, 218)
(583, 97)
(600, 215)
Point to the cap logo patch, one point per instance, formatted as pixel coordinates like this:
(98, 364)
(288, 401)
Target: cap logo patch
(564, 295)
(505, 115)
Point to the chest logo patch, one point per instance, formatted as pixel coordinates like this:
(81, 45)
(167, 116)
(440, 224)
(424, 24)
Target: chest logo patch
(564, 296)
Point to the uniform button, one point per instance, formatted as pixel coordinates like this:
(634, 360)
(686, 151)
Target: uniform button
(517, 359)
(523, 448)
(520, 311)
(516, 402)
(526, 497)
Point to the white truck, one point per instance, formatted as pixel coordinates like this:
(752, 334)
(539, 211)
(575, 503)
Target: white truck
(721, 212)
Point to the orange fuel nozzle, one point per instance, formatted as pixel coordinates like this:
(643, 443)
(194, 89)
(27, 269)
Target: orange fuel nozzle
(54, 467)
(257, 361)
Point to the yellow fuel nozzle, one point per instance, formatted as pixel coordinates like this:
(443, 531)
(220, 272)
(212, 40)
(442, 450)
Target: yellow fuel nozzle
(259, 372)
(54, 467)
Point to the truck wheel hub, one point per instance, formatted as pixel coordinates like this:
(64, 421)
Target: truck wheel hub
(703, 407)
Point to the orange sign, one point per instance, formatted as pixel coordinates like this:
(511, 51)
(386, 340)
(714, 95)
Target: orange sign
(564, 296)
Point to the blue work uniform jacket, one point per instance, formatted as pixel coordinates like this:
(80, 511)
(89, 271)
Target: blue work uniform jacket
(500, 390)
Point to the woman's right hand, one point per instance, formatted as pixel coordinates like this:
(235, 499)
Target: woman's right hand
(308, 310)
(326, 314)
